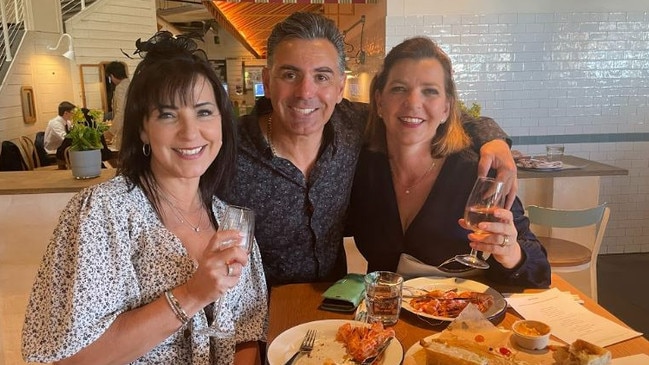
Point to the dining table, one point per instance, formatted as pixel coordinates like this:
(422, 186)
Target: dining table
(294, 304)
(575, 185)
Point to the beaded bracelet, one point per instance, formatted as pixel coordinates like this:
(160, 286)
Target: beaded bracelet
(176, 308)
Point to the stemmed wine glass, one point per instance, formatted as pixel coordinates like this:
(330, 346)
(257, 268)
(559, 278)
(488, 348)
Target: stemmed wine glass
(487, 196)
(241, 219)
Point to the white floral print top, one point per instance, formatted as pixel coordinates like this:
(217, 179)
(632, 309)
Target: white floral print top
(110, 253)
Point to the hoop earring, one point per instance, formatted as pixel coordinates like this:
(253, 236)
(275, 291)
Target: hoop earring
(146, 149)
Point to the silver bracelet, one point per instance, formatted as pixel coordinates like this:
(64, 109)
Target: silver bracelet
(176, 308)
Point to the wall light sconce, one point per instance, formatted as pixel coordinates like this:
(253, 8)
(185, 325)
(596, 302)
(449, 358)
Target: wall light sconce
(69, 54)
(360, 55)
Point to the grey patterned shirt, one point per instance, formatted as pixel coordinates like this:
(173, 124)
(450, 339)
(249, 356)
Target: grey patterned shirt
(300, 223)
(109, 254)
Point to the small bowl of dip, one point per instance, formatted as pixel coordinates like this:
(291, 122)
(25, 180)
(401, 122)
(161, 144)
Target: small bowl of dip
(531, 335)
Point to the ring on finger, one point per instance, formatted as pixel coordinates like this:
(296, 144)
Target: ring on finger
(505, 241)
(230, 269)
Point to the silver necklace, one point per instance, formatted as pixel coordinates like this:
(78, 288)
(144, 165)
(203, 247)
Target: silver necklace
(418, 181)
(181, 217)
(269, 133)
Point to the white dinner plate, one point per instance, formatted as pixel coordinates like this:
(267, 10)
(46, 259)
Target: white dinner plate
(443, 283)
(536, 357)
(326, 346)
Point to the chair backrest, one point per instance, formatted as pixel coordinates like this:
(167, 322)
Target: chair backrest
(39, 144)
(32, 158)
(562, 218)
(12, 157)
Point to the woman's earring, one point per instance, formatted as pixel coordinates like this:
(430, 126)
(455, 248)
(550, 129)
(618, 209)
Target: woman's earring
(146, 149)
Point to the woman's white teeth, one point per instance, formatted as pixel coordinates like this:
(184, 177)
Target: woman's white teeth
(411, 120)
(190, 152)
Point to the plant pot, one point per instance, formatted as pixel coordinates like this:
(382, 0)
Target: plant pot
(85, 164)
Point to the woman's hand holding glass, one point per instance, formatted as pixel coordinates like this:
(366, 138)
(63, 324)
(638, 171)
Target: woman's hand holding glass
(497, 238)
(211, 280)
(224, 260)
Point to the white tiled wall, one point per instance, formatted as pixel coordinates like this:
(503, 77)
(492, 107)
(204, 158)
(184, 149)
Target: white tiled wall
(550, 73)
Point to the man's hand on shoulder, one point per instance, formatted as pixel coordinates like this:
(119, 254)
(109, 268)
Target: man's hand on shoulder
(497, 155)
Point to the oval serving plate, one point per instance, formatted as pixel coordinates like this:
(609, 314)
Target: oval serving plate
(537, 357)
(326, 347)
(441, 283)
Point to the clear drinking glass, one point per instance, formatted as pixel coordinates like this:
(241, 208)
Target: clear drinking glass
(243, 220)
(554, 152)
(383, 297)
(487, 196)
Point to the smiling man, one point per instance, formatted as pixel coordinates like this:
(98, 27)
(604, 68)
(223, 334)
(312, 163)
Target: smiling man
(299, 149)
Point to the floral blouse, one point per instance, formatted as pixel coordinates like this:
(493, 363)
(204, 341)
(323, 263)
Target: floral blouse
(110, 253)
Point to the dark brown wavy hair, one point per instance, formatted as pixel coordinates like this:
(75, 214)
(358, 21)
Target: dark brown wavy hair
(170, 68)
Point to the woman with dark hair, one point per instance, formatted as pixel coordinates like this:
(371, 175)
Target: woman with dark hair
(135, 264)
(415, 174)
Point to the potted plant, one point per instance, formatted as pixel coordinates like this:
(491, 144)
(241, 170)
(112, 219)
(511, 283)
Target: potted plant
(85, 142)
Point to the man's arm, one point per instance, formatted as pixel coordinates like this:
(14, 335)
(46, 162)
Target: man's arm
(493, 144)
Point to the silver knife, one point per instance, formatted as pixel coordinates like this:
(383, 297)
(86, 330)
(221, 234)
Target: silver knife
(370, 360)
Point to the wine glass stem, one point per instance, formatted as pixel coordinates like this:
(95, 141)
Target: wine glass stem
(474, 253)
(217, 313)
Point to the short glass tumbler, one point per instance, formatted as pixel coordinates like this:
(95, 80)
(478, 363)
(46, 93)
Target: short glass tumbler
(383, 297)
(554, 152)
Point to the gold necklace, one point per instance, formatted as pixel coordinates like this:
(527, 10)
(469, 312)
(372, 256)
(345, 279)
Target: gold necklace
(418, 181)
(269, 134)
(181, 217)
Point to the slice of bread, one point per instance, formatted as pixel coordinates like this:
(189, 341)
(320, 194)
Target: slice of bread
(438, 353)
(581, 352)
(460, 351)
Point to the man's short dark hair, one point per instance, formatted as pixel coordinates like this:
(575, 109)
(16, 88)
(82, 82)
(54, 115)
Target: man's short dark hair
(116, 69)
(309, 26)
(65, 106)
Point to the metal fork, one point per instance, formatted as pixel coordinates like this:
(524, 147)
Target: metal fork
(305, 347)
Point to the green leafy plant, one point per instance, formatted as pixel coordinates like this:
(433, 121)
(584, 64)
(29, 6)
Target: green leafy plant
(87, 129)
(474, 111)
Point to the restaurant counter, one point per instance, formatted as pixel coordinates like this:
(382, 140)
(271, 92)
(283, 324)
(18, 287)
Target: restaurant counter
(47, 181)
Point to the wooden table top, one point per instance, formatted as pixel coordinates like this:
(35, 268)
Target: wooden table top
(293, 304)
(591, 168)
(47, 181)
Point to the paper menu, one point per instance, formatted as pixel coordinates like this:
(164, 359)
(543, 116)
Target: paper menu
(568, 319)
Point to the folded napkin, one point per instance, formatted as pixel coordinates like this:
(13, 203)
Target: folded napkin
(410, 267)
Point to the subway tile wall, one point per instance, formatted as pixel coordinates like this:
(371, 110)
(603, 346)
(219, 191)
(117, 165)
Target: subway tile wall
(581, 79)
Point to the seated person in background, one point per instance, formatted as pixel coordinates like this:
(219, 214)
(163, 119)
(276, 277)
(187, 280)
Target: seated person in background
(299, 148)
(58, 127)
(133, 269)
(116, 72)
(417, 170)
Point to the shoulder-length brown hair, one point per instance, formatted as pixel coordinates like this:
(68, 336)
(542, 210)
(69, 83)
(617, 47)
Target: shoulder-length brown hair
(450, 136)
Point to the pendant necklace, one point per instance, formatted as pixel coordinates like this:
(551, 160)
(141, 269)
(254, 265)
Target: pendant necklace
(181, 217)
(418, 181)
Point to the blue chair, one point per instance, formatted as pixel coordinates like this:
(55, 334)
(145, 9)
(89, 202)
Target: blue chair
(567, 255)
